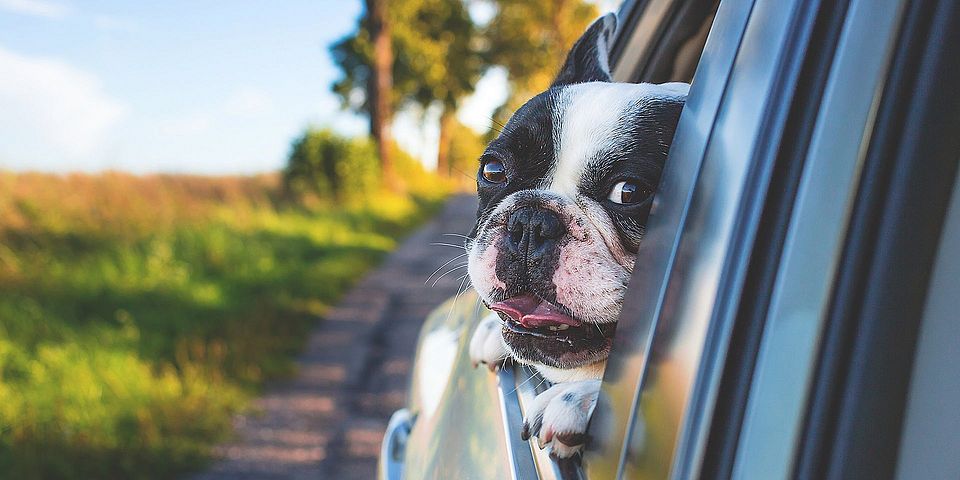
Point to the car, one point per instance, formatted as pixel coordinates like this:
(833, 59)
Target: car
(793, 310)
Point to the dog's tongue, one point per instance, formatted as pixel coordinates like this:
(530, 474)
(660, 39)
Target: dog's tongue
(531, 312)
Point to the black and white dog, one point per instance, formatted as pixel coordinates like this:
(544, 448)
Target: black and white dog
(565, 190)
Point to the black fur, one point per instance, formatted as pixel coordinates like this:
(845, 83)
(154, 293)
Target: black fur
(588, 58)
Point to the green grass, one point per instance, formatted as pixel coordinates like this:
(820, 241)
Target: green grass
(137, 314)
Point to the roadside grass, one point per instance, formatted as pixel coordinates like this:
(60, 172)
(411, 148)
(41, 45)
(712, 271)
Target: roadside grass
(138, 314)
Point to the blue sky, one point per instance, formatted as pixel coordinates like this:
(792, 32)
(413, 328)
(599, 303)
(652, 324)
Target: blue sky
(202, 87)
(207, 87)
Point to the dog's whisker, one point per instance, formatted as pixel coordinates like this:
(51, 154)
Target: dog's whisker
(465, 174)
(457, 298)
(444, 265)
(461, 276)
(456, 235)
(441, 244)
(541, 383)
(448, 272)
(521, 383)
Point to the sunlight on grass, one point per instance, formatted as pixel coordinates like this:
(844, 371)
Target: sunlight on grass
(138, 314)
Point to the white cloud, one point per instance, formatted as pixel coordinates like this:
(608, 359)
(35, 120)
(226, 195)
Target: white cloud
(37, 8)
(51, 109)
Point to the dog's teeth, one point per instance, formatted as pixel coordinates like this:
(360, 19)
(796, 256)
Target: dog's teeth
(563, 327)
(553, 329)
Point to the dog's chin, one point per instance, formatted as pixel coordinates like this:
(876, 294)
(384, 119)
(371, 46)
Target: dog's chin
(572, 347)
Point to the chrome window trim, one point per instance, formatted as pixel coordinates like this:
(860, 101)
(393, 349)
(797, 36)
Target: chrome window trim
(519, 451)
(529, 384)
(790, 342)
(517, 386)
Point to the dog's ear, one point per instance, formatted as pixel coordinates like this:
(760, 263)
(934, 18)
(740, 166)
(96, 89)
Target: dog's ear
(589, 59)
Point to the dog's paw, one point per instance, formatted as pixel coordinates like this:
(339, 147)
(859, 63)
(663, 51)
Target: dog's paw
(486, 345)
(558, 417)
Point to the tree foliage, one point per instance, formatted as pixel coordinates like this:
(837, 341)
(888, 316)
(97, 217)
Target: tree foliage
(436, 61)
(439, 55)
(436, 58)
(325, 165)
(531, 40)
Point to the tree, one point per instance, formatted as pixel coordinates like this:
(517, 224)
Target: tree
(367, 61)
(381, 86)
(435, 62)
(531, 40)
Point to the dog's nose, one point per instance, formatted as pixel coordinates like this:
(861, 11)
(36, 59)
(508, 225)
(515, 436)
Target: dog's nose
(533, 231)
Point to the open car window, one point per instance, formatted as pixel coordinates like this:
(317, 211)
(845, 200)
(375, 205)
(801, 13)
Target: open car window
(658, 41)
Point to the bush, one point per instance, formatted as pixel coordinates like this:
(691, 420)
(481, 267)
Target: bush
(325, 169)
(328, 166)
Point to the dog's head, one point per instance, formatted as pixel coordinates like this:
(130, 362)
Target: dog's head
(564, 194)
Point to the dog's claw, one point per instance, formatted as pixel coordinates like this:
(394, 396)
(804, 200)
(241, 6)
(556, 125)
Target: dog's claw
(571, 439)
(525, 432)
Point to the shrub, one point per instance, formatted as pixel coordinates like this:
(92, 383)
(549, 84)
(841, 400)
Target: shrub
(331, 167)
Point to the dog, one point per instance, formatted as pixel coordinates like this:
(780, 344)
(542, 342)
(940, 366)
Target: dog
(565, 190)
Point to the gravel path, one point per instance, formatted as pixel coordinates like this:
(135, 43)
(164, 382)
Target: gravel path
(327, 422)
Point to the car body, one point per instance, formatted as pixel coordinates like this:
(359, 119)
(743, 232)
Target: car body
(792, 312)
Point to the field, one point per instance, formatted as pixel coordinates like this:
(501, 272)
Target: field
(137, 314)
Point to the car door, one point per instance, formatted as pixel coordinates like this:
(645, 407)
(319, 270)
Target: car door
(764, 306)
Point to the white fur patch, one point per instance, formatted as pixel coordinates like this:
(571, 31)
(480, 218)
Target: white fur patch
(560, 411)
(586, 121)
(482, 267)
(486, 344)
(593, 269)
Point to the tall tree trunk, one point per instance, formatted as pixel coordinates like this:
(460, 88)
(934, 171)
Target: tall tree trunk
(447, 123)
(380, 88)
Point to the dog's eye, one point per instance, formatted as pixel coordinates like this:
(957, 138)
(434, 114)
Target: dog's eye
(628, 192)
(492, 171)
